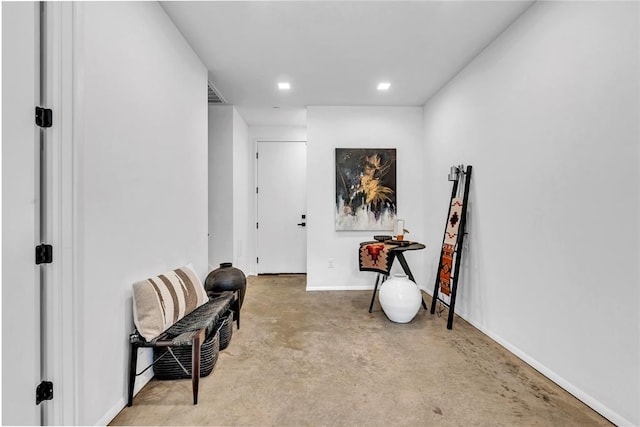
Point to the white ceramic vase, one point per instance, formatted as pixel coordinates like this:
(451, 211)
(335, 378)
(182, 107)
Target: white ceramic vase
(400, 298)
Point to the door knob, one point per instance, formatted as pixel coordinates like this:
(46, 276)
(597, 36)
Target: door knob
(303, 224)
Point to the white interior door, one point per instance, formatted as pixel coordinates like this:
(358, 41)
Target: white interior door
(20, 293)
(282, 204)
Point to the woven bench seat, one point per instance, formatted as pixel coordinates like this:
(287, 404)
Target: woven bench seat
(180, 333)
(206, 316)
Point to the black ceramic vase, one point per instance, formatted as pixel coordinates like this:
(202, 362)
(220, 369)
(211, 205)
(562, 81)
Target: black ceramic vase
(226, 278)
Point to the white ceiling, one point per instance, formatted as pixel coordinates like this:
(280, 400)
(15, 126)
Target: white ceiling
(335, 52)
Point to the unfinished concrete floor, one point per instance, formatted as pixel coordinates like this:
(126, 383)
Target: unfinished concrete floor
(319, 358)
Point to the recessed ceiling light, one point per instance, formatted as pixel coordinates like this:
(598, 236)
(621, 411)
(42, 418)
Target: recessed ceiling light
(384, 86)
(284, 86)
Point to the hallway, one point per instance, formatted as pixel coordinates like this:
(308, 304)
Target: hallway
(319, 358)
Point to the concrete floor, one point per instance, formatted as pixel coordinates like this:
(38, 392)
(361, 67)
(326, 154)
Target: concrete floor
(319, 358)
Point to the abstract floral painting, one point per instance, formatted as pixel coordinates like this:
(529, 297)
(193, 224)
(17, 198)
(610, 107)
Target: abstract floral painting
(365, 188)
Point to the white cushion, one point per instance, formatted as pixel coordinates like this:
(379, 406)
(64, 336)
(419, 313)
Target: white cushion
(160, 301)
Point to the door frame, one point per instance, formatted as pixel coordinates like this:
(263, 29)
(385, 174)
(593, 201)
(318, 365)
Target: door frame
(62, 93)
(54, 310)
(255, 195)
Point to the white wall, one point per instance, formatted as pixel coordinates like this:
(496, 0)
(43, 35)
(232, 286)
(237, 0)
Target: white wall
(548, 117)
(221, 198)
(20, 292)
(277, 133)
(244, 193)
(230, 189)
(329, 128)
(142, 153)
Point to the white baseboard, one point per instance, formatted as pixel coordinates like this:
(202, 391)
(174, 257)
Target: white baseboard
(313, 288)
(141, 381)
(580, 394)
(111, 413)
(369, 287)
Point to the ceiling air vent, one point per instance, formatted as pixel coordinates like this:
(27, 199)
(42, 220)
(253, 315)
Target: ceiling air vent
(214, 95)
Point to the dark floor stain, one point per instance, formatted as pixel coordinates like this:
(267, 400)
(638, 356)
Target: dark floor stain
(437, 410)
(513, 368)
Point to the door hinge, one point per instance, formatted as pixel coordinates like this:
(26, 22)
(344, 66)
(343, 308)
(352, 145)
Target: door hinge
(257, 226)
(257, 260)
(256, 190)
(44, 391)
(256, 156)
(44, 117)
(44, 254)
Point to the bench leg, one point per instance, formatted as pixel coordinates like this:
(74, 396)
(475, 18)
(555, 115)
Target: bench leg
(133, 360)
(195, 363)
(236, 311)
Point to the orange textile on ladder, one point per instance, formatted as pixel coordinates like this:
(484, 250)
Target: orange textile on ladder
(445, 270)
(450, 241)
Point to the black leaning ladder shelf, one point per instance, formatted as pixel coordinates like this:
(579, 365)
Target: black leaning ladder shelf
(458, 247)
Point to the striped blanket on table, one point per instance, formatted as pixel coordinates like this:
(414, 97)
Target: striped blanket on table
(376, 256)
